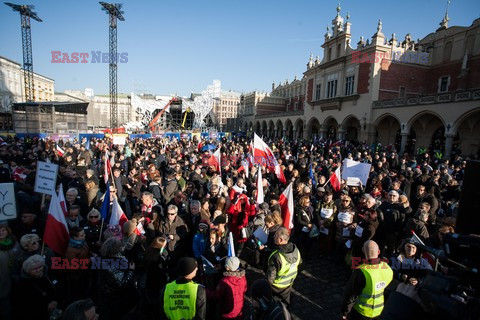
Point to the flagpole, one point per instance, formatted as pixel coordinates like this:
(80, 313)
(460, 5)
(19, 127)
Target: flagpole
(101, 230)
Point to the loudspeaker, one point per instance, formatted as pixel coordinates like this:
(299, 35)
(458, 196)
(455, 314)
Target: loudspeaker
(468, 219)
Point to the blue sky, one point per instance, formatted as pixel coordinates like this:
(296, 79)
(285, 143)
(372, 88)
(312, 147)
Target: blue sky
(181, 46)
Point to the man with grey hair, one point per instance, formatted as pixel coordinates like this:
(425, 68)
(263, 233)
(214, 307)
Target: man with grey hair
(174, 229)
(283, 265)
(364, 291)
(393, 220)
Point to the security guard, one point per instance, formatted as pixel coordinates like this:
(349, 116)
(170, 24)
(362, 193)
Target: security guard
(283, 266)
(184, 299)
(364, 292)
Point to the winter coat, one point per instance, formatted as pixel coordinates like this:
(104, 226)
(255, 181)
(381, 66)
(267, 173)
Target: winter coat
(229, 294)
(169, 189)
(199, 245)
(32, 296)
(290, 252)
(178, 229)
(9, 257)
(239, 219)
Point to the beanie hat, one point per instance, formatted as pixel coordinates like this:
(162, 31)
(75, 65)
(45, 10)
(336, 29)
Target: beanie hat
(186, 265)
(220, 220)
(232, 263)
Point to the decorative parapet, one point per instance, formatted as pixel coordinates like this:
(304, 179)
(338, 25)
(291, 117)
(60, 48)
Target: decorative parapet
(429, 99)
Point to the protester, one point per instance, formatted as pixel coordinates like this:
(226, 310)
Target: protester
(283, 266)
(230, 291)
(170, 194)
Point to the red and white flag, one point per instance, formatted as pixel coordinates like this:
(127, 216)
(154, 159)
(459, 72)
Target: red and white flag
(108, 168)
(335, 180)
(214, 160)
(56, 229)
(262, 151)
(286, 203)
(260, 195)
(118, 217)
(61, 200)
(60, 151)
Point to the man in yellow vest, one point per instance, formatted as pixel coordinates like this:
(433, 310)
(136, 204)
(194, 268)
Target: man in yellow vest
(283, 266)
(184, 299)
(364, 292)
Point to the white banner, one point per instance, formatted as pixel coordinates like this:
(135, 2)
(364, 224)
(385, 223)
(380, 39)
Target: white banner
(8, 208)
(354, 171)
(46, 177)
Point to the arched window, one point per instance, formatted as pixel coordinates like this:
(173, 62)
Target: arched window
(469, 44)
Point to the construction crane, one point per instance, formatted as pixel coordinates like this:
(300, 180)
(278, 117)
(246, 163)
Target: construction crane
(26, 12)
(155, 119)
(185, 117)
(114, 12)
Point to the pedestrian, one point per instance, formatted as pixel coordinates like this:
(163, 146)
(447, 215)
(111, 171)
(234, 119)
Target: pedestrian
(183, 298)
(283, 266)
(230, 291)
(364, 298)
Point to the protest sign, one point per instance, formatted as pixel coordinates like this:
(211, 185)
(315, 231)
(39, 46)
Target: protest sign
(46, 177)
(354, 169)
(8, 208)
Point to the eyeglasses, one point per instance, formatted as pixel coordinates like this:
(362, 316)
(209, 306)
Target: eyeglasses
(347, 201)
(94, 217)
(172, 214)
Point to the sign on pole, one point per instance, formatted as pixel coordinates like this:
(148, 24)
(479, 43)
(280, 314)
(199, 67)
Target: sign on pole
(46, 177)
(8, 209)
(355, 172)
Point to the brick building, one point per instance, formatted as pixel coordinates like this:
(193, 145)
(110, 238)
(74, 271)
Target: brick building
(412, 94)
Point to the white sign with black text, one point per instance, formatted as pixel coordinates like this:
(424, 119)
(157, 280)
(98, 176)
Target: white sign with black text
(46, 177)
(8, 209)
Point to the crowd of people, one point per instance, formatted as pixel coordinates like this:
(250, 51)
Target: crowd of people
(173, 259)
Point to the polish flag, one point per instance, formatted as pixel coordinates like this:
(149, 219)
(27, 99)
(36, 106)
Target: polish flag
(60, 151)
(286, 203)
(231, 248)
(261, 150)
(335, 180)
(61, 200)
(118, 217)
(214, 160)
(108, 168)
(56, 234)
(260, 195)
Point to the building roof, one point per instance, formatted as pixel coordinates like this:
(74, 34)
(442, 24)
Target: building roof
(66, 107)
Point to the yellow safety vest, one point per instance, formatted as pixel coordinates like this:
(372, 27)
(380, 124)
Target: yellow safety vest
(288, 271)
(180, 300)
(377, 277)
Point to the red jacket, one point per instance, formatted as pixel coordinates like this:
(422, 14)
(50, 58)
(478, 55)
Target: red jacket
(235, 212)
(229, 294)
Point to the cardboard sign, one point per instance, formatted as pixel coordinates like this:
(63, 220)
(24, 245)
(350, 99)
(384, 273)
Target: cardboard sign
(8, 209)
(46, 177)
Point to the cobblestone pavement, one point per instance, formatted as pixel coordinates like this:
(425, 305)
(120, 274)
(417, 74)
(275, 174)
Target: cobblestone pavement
(318, 289)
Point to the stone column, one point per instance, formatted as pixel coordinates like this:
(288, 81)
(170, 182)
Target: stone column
(284, 133)
(294, 135)
(448, 146)
(341, 134)
(403, 143)
(321, 134)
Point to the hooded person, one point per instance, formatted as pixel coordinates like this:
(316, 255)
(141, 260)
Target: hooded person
(183, 298)
(283, 266)
(229, 293)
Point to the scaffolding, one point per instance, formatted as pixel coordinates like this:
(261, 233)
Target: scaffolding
(48, 117)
